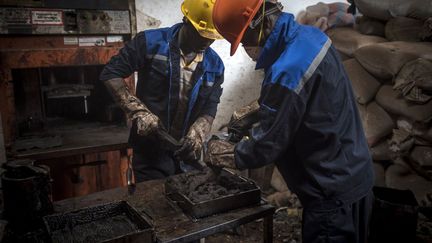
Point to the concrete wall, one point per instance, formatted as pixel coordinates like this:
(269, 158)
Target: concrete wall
(242, 82)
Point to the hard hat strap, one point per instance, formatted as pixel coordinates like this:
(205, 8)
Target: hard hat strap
(278, 7)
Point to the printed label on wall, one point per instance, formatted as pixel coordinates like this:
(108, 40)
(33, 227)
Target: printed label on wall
(47, 17)
(70, 40)
(114, 38)
(92, 41)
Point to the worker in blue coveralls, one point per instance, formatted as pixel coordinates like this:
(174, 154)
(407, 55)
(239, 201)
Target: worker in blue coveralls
(308, 125)
(178, 90)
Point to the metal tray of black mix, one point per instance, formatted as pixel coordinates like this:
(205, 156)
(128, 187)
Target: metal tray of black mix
(112, 222)
(203, 193)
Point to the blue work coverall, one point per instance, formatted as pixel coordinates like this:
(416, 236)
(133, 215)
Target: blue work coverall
(310, 128)
(155, 55)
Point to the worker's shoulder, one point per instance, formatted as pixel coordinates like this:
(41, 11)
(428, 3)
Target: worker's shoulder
(212, 61)
(300, 60)
(156, 34)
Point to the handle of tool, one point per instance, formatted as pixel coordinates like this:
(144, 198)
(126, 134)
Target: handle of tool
(130, 180)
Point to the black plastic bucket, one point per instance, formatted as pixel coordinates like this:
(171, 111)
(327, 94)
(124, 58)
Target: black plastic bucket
(394, 216)
(26, 195)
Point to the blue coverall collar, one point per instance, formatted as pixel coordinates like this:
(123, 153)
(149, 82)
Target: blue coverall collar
(283, 32)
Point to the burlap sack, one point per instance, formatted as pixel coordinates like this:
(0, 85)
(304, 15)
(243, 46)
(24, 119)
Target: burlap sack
(365, 85)
(278, 182)
(386, 9)
(422, 155)
(423, 135)
(414, 81)
(426, 34)
(381, 151)
(403, 29)
(384, 60)
(400, 176)
(370, 26)
(344, 57)
(392, 103)
(347, 40)
(377, 124)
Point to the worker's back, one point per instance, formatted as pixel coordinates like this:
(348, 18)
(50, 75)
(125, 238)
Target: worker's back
(329, 158)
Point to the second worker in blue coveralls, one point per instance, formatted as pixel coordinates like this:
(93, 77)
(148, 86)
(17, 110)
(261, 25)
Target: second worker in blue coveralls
(308, 125)
(178, 89)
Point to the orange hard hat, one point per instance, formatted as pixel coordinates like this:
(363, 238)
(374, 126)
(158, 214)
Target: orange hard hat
(232, 17)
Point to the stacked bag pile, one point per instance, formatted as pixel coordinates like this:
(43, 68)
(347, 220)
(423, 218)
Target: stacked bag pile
(388, 57)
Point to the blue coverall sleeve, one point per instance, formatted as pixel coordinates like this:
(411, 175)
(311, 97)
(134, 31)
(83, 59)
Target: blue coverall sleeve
(281, 112)
(128, 60)
(212, 103)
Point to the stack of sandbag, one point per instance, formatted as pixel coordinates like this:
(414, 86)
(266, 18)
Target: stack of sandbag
(325, 16)
(388, 58)
(387, 9)
(397, 20)
(347, 40)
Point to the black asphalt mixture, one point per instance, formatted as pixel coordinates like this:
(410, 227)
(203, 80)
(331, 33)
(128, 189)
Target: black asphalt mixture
(200, 186)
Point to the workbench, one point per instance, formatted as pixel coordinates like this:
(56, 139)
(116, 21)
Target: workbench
(170, 223)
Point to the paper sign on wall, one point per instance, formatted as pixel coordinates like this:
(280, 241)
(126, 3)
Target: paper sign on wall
(47, 17)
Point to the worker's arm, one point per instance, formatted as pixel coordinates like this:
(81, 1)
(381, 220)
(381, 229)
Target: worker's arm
(129, 59)
(198, 132)
(242, 121)
(281, 113)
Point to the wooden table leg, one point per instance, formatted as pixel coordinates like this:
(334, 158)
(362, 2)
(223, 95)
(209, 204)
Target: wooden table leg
(268, 229)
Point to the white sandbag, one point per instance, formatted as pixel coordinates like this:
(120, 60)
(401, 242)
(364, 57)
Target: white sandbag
(403, 29)
(325, 16)
(386, 9)
(370, 26)
(401, 142)
(384, 60)
(414, 81)
(365, 85)
(422, 155)
(421, 133)
(377, 124)
(392, 103)
(348, 40)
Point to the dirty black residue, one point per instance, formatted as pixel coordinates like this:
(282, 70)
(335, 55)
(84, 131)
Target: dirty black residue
(96, 224)
(200, 186)
(96, 231)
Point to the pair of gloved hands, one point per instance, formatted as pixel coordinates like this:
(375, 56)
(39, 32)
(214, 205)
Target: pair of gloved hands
(219, 153)
(191, 145)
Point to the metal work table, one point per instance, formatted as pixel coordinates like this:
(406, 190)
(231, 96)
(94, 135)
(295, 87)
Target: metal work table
(170, 223)
(81, 141)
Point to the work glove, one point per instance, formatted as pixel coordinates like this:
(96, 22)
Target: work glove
(192, 143)
(220, 153)
(242, 120)
(147, 122)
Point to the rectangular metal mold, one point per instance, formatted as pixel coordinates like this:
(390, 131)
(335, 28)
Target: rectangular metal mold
(217, 205)
(112, 222)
